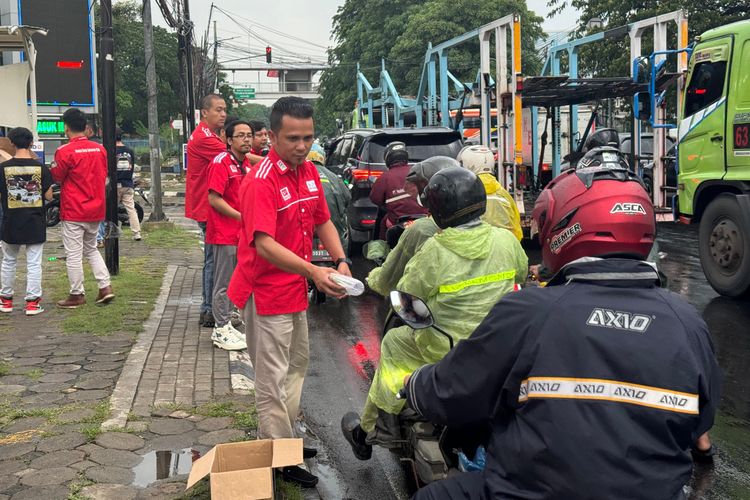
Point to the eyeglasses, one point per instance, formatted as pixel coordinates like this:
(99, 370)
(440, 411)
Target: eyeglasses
(242, 136)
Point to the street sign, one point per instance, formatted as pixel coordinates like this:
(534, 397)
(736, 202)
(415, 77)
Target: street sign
(244, 93)
(176, 124)
(50, 127)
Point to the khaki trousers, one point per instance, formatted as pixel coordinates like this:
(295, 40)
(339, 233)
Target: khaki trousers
(79, 240)
(125, 196)
(279, 349)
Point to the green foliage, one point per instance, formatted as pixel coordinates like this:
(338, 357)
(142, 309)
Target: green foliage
(252, 111)
(399, 30)
(130, 68)
(5, 368)
(612, 57)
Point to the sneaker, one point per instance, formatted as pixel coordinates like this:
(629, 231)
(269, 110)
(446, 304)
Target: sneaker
(6, 304)
(237, 333)
(34, 307)
(100, 244)
(137, 236)
(299, 476)
(224, 338)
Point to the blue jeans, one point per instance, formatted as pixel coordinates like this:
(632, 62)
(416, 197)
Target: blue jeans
(208, 271)
(102, 231)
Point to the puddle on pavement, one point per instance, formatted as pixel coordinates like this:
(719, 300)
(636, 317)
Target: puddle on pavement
(164, 464)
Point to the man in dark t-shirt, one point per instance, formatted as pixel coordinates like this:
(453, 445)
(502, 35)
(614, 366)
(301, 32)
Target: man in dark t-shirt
(23, 183)
(125, 166)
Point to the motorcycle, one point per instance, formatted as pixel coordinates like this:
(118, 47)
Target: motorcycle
(432, 451)
(52, 208)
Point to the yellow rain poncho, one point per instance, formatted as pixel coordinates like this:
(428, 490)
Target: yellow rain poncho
(502, 210)
(383, 279)
(460, 274)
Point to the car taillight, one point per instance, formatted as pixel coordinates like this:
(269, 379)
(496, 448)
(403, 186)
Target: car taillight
(363, 175)
(367, 222)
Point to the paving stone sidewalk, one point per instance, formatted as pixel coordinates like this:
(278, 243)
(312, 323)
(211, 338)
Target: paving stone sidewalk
(164, 395)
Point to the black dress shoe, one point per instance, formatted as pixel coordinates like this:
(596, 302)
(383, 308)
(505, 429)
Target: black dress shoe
(703, 456)
(309, 452)
(356, 436)
(207, 319)
(299, 476)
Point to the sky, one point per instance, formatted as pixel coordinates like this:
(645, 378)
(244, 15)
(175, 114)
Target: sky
(304, 19)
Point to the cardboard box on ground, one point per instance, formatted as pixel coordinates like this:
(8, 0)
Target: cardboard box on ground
(245, 469)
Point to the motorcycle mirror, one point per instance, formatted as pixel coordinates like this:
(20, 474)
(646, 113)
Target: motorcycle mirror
(412, 310)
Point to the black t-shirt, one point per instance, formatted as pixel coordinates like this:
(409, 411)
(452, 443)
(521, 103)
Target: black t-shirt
(125, 165)
(23, 182)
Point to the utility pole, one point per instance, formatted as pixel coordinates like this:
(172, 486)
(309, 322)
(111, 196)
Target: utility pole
(107, 65)
(216, 61)
(153, 115)
(188, 30)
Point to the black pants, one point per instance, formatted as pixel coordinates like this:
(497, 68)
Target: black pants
(469, 485)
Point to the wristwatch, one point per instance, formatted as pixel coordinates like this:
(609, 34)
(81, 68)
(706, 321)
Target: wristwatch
(342, 259)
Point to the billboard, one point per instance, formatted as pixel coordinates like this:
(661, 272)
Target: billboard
(65, 70)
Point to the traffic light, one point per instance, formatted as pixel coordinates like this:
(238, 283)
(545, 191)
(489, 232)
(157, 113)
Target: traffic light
(268, 55)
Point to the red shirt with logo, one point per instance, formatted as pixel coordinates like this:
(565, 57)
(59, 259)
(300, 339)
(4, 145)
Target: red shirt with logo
(225, 176)
(81, 170)
(202, 148)
(287, 204)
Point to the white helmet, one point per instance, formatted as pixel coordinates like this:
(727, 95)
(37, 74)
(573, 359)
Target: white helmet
(478, 159)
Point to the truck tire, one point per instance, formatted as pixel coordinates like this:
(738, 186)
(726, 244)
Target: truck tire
(724, 246)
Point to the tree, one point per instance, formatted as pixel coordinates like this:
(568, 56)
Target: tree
(399, 30)
(130, 68)
(612, 57)
(253, 111)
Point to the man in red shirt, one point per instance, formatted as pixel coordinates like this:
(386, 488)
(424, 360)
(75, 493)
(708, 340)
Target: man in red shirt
(282, 205)
(80, 168)
(260, 145)
(225, 175)
(203, 146)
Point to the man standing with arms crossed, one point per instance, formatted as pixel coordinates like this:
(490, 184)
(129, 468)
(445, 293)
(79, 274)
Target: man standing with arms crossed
(225, 175)
(282, 204)
(203, 146)
(80, 167)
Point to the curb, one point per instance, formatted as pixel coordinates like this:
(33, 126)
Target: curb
(122, 397)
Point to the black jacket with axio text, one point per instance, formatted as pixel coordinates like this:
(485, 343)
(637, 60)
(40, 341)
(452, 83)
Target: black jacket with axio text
(595, 386)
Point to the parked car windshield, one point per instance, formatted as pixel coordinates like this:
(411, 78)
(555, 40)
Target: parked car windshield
(420, 146)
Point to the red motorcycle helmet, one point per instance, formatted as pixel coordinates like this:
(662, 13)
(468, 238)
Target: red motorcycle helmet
(594, 212)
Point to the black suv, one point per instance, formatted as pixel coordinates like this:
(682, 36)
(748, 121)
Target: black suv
(357, 156)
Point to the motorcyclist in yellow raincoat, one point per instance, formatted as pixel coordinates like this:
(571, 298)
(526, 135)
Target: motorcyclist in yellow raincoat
(384, 278)
(502, 210)
(460, 273)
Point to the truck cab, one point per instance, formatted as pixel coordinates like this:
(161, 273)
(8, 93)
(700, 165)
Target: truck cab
(714, 155)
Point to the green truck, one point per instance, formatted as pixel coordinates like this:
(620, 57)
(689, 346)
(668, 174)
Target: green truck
(714, 155)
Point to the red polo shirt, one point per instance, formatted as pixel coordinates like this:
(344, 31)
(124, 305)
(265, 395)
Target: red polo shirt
(286, 204)
(202, 148)
(81, 170)
(225, 175)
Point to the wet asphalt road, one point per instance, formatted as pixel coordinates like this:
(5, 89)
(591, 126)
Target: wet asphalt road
(344, 344)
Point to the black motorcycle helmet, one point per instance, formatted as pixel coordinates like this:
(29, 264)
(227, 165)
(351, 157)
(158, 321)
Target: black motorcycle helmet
(455, 196)
(395, 153)
(602, 137)
(421, 173)
(604, 156)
